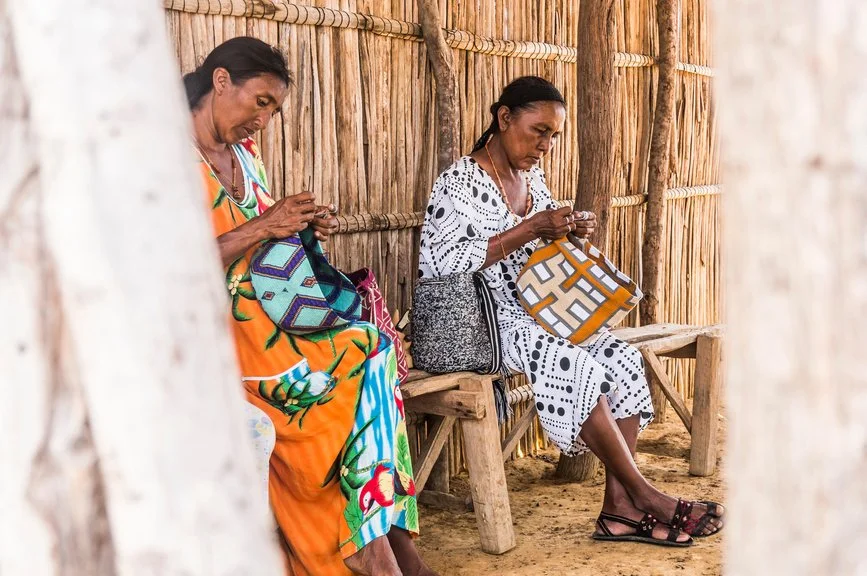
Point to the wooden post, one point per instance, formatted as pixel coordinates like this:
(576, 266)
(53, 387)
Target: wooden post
(440, 56)
(577, 468)
(705, 406)
(125, 449)
(794, 130)
(658, 180)
(487, 476)
(594, 109)
(663, 120)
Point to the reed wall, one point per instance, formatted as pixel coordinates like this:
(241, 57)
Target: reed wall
(358, 127)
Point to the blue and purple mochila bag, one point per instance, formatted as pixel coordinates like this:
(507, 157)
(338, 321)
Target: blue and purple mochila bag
(299, 289)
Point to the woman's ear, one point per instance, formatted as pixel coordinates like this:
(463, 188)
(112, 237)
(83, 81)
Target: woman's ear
(221, 80)
(504, 118)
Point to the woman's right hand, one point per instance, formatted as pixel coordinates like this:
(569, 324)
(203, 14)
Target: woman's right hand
(552, 224)
(288, 215)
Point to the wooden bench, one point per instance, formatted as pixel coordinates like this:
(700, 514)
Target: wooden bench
(468, 398)
(705, 345)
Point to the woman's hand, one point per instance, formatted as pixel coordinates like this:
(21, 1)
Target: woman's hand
(556, 223)
(288, 215)
(584, 223)
(324, 223)
(552, 224)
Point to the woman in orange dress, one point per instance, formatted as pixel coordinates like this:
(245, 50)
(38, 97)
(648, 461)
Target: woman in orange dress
(340, 478)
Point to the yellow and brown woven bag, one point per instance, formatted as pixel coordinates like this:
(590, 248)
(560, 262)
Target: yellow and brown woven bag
(571, 289)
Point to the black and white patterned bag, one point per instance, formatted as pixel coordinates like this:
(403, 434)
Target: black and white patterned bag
(454, 325)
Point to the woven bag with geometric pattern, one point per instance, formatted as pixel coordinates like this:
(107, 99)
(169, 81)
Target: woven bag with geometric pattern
(571, 289)
(299, 289)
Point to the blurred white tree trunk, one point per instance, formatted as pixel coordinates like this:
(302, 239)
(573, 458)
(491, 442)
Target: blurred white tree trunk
(122, 445)
(794, 128)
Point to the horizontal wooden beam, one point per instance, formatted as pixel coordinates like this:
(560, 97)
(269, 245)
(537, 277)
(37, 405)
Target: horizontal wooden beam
(630, 60)
(351, 224)
(457, 403)
(289, 13)
(635, 335)
(418, 383)
(445, 501)
(662, 346)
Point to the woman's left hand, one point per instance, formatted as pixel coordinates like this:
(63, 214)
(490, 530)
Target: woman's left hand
(324, 223)
(583, 223)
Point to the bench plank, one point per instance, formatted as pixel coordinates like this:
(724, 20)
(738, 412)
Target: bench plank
(649, 332)
(456, 403)
(679, 340)
(419, 383)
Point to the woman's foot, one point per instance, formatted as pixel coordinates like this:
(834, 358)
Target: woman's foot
(611, 524)
(699, 519)
(375, 559)
(407, 555)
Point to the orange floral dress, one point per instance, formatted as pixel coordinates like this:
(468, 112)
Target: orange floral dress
(340, 473)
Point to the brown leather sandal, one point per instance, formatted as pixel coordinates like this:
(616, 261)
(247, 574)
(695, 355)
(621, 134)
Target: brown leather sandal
(696, 527)
(643, 531)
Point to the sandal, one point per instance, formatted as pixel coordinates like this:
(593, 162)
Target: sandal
(695, 528)
(643, 531)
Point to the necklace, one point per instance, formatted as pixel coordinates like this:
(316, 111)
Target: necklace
(219, 174)
(503, 190)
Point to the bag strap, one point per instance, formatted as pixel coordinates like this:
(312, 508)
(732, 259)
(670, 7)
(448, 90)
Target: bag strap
(489, 311)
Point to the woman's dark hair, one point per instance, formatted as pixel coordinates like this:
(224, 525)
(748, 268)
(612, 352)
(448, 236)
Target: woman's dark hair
(520, 94)
(244, 57)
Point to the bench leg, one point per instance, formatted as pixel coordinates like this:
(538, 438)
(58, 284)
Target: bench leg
(487, 477)
(439, 476)
(657, 396)
(708, 376)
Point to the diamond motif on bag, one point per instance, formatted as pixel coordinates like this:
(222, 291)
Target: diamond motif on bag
(309, 282)
(268, 296)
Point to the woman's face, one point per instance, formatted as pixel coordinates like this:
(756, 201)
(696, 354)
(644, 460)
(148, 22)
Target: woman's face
(528, 134)
(240, 110)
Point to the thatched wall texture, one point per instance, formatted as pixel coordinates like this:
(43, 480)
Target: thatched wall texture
(358, 126)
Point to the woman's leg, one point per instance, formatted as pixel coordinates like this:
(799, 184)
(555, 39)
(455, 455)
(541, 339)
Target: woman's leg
(602, 435)
(375, 559)
(616, 499)
(407, 555)
(631, 408)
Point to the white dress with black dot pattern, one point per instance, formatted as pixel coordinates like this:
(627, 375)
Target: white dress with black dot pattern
(465, 210)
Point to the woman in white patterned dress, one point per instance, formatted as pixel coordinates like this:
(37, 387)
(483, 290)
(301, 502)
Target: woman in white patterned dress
(485, 214)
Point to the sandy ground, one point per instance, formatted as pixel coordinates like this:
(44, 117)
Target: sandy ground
(553, 521)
